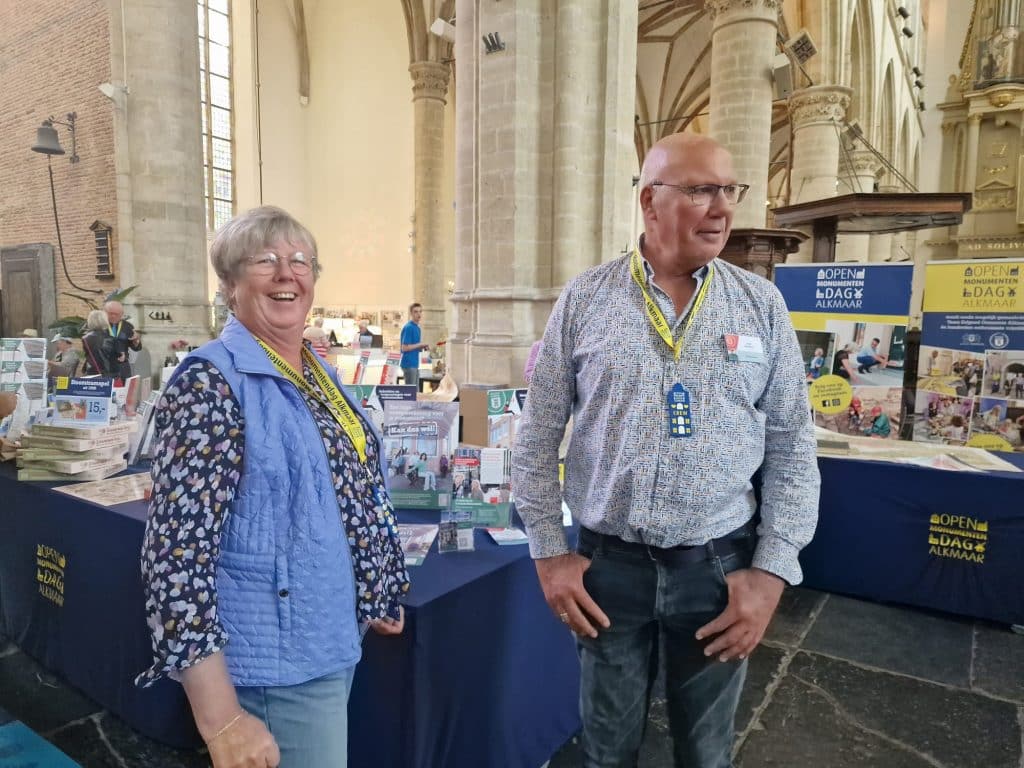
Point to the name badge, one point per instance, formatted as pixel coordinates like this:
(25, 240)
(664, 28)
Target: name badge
(743, 349)
(680, 418)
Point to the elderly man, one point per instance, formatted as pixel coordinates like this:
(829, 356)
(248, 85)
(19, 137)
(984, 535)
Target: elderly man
(65, 362)
(124, 335)
(677, 562)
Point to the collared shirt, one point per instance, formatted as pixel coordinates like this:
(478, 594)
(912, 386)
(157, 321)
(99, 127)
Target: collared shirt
(624, 475)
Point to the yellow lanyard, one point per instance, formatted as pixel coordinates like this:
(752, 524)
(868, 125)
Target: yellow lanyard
(115, 331)
(654, 313)
(329, 395)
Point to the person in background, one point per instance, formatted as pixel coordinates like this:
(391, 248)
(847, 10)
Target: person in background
(98, 347)
(842, 365)
(411, 345)
(66, 361)
(317, 337)
(363, 338)
(817, 363)
(124, 335)
(271, 541)
(669, 569)
(879, 426)
(870, 356)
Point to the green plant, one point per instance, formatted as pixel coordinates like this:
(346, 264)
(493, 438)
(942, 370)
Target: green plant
(73, 325)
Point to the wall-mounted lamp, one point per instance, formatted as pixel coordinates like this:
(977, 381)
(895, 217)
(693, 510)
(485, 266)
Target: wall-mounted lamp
(919, 84)
(917, 71)
(47, 141)
(493, 43)
(908, 32)
(902, 11)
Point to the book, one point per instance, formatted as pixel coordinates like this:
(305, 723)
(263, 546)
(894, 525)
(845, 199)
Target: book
(507, 536)
(75, 444)
(99, 473)
(86, 431)
(55, 454)
(69, 466)
(416, 541)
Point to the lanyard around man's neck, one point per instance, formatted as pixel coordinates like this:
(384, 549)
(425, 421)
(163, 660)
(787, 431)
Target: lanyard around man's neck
(654, 313)
(115, 330)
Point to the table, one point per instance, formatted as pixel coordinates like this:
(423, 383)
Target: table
(483, 675)
(877, 537)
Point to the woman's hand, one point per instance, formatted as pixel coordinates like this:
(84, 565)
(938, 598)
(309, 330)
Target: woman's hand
(246, 743)
(389, 626)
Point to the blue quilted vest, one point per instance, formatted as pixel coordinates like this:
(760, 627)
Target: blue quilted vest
(285, 588)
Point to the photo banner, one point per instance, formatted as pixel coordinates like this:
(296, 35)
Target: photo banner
(851, 322)
(970, 387)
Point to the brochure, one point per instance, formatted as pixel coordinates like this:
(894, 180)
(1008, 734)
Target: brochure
(481, 485)
(118, 490)
(504, 409)
(419, 438)
(373, 398)
(416, 541)
(507, 536)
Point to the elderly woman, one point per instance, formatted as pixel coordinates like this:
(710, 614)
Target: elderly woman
(271, 541)
(99, 348)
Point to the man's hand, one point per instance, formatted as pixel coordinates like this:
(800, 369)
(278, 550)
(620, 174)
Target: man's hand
(561, 578)
(389, 626)
(753, 597)
(246, 744)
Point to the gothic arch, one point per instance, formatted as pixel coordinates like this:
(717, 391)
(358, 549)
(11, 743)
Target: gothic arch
(883, 133)
(861, 66)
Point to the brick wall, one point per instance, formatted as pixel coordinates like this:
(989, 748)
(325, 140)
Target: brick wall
(53, 55)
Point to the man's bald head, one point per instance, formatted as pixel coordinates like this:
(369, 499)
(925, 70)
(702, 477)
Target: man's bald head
(673, 150)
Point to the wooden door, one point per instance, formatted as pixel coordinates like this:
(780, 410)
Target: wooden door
(28, 301)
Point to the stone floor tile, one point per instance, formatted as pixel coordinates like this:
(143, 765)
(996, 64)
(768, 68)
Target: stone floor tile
(831, 713)
(94, 742)
(998, 662)
(793, 616)
(761, 672)
(37, 698)
(904, 640)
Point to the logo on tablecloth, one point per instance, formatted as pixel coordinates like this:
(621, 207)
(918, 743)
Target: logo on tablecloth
(50, 573)
(958, 537)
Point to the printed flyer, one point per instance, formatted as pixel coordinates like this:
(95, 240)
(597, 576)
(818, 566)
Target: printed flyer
(851, 322)
(970, 386)
(504, 409)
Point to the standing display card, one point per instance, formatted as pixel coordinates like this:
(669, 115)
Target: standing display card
(481, 485)
(23, 372)
(504, 409)
(372, 399)
(419, 438)
(82, 401)
(455, 536)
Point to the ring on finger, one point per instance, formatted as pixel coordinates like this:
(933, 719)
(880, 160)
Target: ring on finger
(564, 617)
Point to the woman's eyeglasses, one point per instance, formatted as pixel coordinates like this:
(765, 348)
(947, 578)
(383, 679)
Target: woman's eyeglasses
(268, 263)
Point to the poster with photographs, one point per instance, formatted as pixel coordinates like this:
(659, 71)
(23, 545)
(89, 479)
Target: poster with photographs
(851, 324)
(972, 351)
(419, 438)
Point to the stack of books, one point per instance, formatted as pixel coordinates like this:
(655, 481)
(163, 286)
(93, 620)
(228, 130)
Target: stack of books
(80, 452)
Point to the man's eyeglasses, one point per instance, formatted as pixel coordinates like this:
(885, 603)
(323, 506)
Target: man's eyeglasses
(704, 194)
(267, 263)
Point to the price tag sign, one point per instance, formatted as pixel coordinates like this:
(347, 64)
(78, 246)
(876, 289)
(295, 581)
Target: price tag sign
(78, 401)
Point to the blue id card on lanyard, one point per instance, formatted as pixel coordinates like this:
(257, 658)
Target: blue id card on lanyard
(680, 419)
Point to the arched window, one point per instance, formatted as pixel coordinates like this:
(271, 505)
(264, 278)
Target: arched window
(215, 94)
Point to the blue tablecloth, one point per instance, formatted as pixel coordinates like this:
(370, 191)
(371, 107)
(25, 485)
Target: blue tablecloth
(906, 534)
(483, 675)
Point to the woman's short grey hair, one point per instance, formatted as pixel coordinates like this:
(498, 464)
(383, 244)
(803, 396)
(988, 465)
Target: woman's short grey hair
(248, 232)
(96, 320)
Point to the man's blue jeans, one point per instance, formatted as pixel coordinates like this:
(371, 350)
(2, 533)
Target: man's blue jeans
(656, 607)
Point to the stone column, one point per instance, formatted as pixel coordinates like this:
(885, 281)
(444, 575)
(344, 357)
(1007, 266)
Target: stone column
(817, 113)
(430, 86)
(543, 171)
(881, 247)
(857, 172)
(742, 48)
(158, 162)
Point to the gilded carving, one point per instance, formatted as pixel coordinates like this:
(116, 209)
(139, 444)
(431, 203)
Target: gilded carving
(999, 99)
(995, 200)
